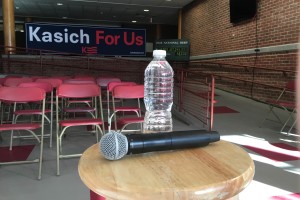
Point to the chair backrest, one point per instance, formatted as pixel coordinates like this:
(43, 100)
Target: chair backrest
(128, 91)
(78, 90)
(103, 81)
(13, 76)
(19, 94)
(84, 77)
(13, 82)
(112, 85)
(55, 82)
(291, 86)
(79, 81)
(2, 80)
(34, 78)
(43, 85)
(61, 77)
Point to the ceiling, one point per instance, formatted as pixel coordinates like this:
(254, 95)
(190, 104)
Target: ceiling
(100, 12)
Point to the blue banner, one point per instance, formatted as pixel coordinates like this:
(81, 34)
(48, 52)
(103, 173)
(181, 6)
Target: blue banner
(80, 39)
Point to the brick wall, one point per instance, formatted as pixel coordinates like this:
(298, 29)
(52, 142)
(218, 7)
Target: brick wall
(206, 23)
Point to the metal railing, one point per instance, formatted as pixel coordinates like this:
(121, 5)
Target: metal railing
(196, 98)
(255, 82)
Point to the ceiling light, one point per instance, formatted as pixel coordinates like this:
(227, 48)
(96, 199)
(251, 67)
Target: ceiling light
(59, 4)
(17, 7)
(65, 17)
(146, 10)
(133, 21)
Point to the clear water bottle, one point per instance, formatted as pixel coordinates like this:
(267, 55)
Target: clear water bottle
(158, 95)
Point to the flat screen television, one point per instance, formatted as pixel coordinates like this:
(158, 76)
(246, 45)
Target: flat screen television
(241, 10)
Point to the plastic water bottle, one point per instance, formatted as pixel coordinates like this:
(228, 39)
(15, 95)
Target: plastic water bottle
(158, 95)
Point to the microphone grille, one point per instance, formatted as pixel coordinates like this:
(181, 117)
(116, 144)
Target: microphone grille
(113, 145)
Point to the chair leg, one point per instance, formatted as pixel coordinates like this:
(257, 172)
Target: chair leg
(41, 157)
(50, 135)
(57, 156)
(51, 125)
(268, 114)
(97, 132)
(57, 150)
(285, 123)
(11, 140)
(59, 137)
(289, 131)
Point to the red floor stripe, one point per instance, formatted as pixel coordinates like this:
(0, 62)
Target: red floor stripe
(223, 110)
(285, 146)
(18, 153)
(274, 155)
(94, 196)
(293, 196)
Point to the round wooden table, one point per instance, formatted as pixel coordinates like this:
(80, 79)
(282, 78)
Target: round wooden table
(220, 170)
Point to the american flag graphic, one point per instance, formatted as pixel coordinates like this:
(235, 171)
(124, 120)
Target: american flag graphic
(89, 50)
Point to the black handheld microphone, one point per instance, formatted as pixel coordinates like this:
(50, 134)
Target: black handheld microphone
(115, 145)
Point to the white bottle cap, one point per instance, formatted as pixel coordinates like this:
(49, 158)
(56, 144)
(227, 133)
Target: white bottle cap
(159, 53)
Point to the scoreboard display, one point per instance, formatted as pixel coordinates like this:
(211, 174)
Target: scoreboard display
(177, 49)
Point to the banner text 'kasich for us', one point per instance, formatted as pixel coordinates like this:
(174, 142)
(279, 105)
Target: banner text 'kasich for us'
(81, 39)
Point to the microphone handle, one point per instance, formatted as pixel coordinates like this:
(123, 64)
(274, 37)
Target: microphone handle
(143, 143)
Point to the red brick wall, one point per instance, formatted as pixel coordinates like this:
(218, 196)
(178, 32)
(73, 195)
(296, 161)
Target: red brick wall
(206, 23)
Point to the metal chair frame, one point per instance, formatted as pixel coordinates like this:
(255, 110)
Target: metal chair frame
(110, 87)
(47, 87)
(288, 106)
(17, 95)
(134, 92)
(78, 91)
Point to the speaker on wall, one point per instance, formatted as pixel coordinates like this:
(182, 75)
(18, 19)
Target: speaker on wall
(241, 10)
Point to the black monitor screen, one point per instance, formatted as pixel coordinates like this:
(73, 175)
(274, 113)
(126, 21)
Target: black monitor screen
(241, 10)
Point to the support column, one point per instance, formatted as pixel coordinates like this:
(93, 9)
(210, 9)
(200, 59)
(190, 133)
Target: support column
(9, 26)
(158, 31)
(179, 23)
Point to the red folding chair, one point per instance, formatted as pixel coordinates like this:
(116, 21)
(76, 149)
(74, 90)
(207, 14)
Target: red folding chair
(2, 80)
(86, 80)
(34, 78)
(84, 77)
(62, 78)
(78, 91)
(127, 92)
(79, 81)
(281, 102)
(11, 81)
(55, 82)
(110, 87)
(14, 82)
(47, 87)
(103, 81)
(17, 95)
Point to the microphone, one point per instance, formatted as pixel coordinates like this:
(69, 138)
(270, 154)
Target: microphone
(115, 145)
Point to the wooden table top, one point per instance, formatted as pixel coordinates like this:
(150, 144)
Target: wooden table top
(218, 171)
